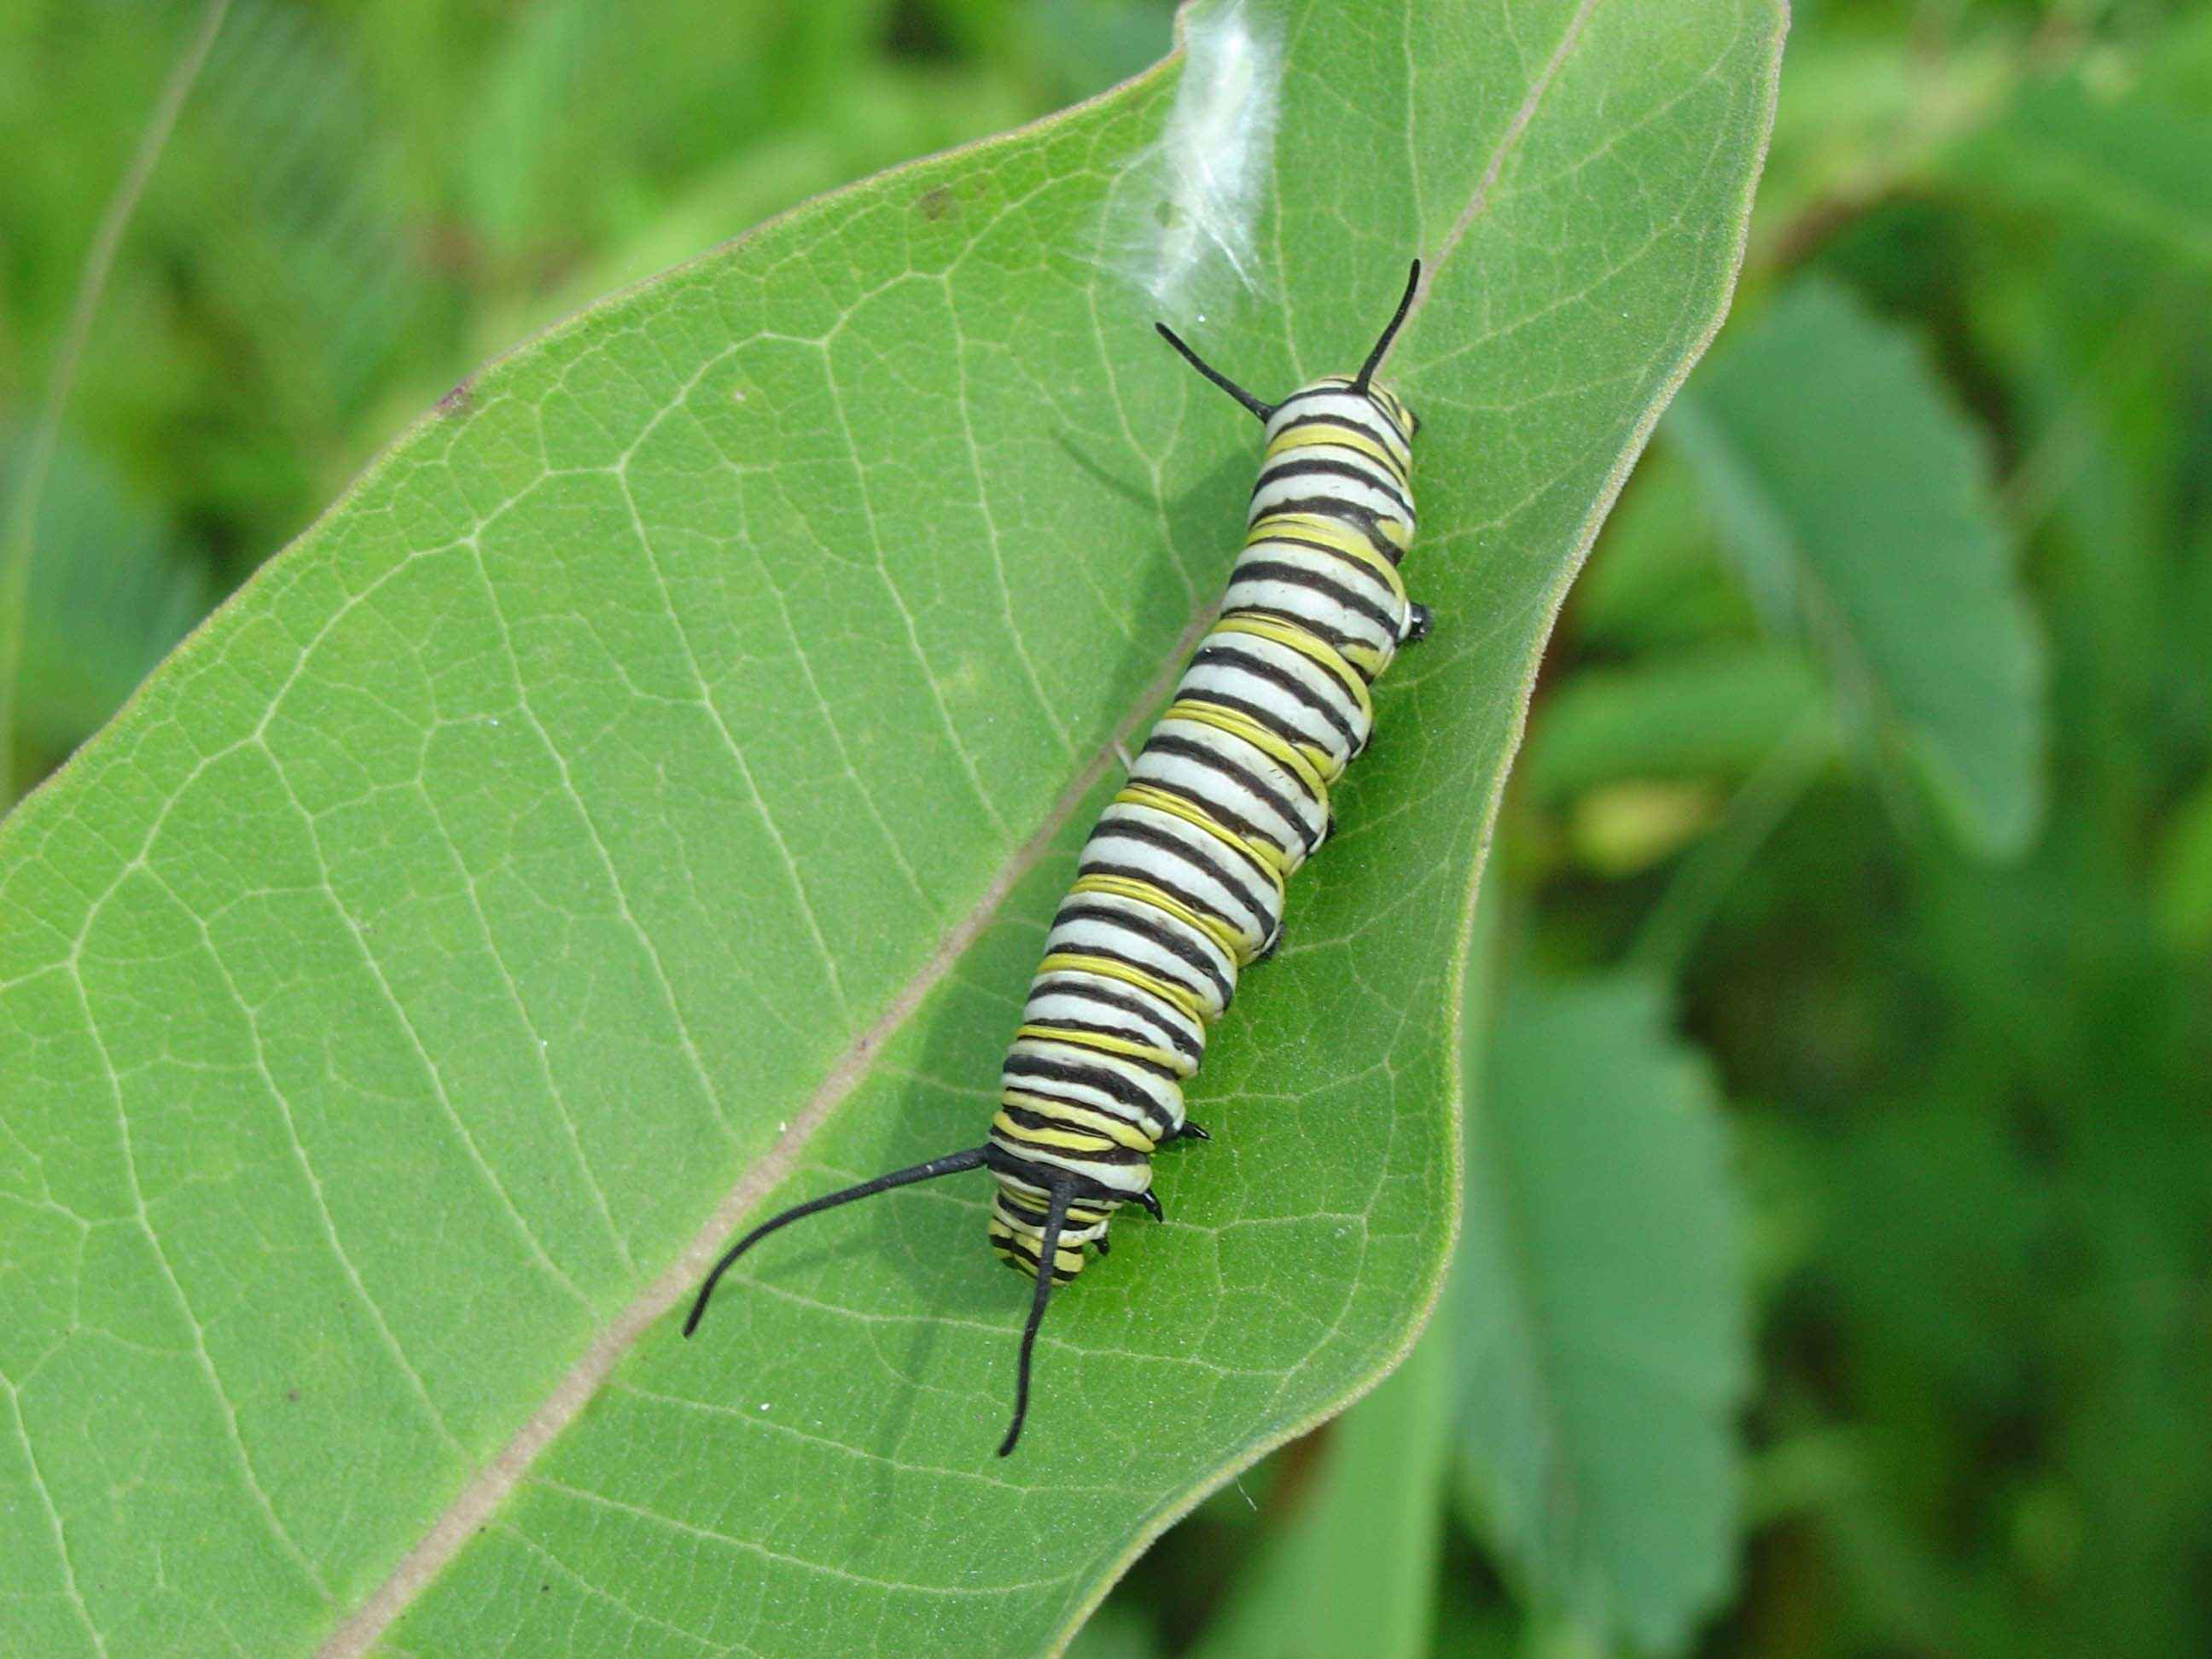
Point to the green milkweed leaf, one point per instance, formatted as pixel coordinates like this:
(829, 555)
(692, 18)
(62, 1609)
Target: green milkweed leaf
(1858, 502)
(639, 798)
(1602, 1322)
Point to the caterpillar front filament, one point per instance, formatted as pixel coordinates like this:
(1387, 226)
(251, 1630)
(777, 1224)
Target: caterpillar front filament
(1181, 884)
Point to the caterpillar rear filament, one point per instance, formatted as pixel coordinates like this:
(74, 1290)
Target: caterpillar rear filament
(1181, 884)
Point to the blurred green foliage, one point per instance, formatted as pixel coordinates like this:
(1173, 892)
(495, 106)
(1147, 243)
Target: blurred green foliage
(1851, 944)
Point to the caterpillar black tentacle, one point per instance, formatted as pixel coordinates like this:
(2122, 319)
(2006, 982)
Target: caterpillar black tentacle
(1181, 885)
(951, 1164)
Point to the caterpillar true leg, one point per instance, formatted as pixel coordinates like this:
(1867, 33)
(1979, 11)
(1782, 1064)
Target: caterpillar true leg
(1181, 884)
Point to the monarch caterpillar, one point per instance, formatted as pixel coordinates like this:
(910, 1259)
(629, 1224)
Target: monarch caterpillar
(1181, 884)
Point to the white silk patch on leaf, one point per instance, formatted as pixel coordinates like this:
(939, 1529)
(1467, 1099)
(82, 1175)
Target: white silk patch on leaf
(1181, 222)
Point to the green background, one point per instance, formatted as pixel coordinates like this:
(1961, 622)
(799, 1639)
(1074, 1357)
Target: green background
(1836, 1025)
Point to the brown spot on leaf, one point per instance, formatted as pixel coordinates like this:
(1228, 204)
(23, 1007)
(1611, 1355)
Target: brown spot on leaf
(934, 204)
(461, 399)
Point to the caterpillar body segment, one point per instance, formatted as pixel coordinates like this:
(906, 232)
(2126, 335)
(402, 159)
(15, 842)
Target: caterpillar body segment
(1181, 885)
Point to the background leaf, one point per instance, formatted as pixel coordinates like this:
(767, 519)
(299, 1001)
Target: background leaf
(1603, 1345)
(1717, 714)
(108, 595)
(649, 782)
(2131, 161)
(1858, 501)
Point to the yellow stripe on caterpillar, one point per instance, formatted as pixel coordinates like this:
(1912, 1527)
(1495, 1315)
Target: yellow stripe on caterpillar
(1307, 644)
(1144, 892)
(1266, 856)
(1366, 658)
(1079, 1212)
(1076, 1143)
(1066, 1262)
(1082, 962)
(1331, 534)
(1106, 1043)
(1337, 434)
(1296, 757)
(1095, 1120)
